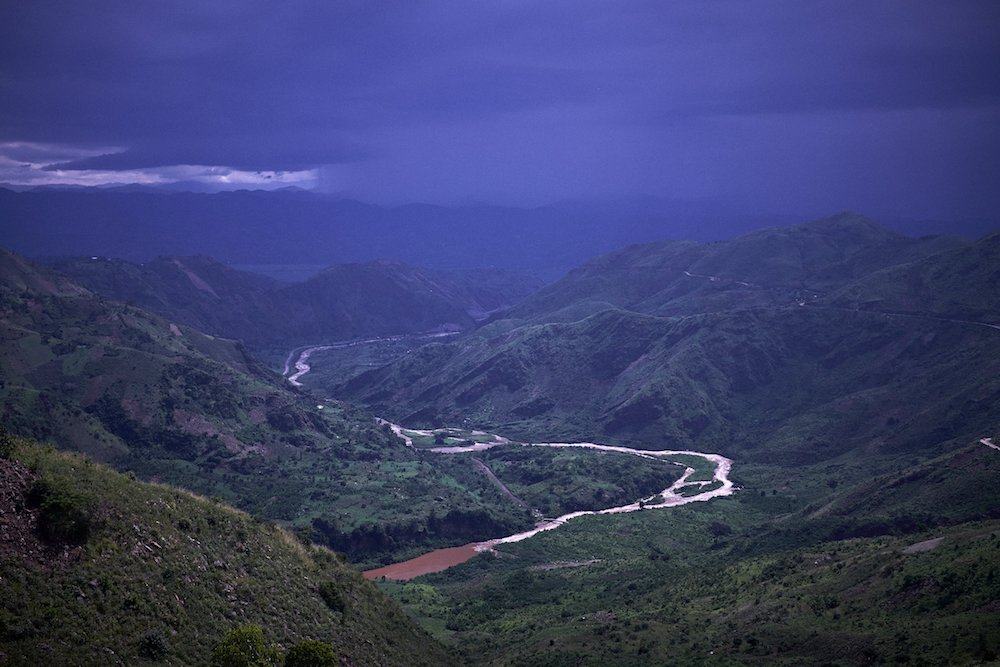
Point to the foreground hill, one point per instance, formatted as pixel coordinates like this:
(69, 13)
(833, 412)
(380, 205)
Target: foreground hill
(342, 302)
(98, 568)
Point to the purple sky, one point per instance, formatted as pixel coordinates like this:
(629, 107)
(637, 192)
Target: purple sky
(888, 108)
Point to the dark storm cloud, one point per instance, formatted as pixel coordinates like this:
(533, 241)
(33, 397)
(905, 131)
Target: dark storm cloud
(410, 92)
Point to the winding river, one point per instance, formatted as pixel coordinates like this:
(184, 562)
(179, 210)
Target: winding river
(441, 559)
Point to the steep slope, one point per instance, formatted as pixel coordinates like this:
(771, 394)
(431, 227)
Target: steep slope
(773, 266)
(197, 291)
(98, 568)
(175, 405)
(962, 283)
(386, 298)
(343, 302)
(784, 380)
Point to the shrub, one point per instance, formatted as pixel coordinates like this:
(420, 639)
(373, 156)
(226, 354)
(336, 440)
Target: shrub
(64, 516)
(245, 647)
(332, 597)
(311, 653)
(153, 646)
(6, 444)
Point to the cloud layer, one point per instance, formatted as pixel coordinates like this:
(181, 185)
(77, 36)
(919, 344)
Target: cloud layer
(890, 106)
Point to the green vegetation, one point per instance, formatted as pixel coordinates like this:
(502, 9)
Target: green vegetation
(680, 587)
(855, 435)
(835, 362)
(558, 481)
(164, 575)
(311, 653)
(63, 516)
(174, 405)
(754, 354)
(245, 646)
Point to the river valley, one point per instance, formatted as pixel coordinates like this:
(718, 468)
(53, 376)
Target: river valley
(681, 492)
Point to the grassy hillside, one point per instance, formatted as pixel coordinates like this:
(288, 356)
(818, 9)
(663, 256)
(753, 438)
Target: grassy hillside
(962, 283)
(787, 386)
(98, 568)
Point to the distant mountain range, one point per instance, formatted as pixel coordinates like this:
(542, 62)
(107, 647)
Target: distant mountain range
(342, 302)
(303, 228)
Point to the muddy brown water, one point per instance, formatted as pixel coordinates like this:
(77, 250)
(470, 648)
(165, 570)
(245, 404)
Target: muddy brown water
(435, 561)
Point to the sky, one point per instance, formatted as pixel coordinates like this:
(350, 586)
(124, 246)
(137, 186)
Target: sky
(884, 107)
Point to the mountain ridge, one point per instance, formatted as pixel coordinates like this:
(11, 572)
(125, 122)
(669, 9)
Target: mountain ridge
(357, 300)
(655, 364)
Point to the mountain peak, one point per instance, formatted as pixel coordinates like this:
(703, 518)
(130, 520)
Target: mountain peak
(849, 223)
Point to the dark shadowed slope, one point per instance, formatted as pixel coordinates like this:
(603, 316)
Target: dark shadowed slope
(962, 283)
(773, 266)
(343, 302)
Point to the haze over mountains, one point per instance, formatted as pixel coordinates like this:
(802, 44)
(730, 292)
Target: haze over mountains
(303, 228)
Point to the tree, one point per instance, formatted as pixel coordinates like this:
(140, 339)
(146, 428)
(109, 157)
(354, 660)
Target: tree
(311, 653)
(245, 647)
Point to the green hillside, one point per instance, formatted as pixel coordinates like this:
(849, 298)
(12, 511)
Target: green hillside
(786, 385)
(847, 372)
(782, 375)
(774, 266)
(962, 283)
(174, 405)
(98, 568)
